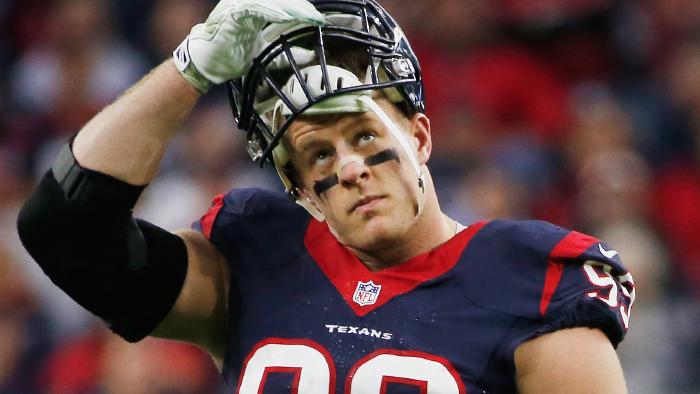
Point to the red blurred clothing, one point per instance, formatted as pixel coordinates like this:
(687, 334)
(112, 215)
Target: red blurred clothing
(74, 366)
(507, 87)
(87, 363)
(677, 211)
(527, 11)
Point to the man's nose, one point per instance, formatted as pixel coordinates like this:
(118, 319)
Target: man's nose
(352, 170)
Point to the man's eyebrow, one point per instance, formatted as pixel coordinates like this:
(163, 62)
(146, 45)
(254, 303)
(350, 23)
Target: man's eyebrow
(307, 144)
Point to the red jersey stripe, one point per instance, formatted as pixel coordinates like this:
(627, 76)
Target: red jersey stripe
(345, 270)
(207, 221)
(570, 247)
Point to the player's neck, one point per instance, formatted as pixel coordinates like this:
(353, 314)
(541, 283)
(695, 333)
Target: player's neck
(431, 230)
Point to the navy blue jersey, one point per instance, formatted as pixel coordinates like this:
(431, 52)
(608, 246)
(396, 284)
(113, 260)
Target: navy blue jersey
(308, 317)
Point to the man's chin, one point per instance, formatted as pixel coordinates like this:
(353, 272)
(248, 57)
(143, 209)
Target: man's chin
(376, 233)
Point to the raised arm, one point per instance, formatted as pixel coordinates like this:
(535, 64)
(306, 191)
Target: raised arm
(78, 225)
(128, 138)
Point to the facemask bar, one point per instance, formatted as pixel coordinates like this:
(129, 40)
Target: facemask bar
(383, 51)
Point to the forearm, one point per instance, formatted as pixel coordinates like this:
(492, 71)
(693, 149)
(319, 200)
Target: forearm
(128, 138)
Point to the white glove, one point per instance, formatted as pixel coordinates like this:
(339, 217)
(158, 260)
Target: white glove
(222, 48)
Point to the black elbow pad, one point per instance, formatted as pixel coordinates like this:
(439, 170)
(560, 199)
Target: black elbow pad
(128, 272)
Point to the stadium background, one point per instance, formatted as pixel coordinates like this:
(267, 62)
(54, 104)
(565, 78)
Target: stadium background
(585, 113)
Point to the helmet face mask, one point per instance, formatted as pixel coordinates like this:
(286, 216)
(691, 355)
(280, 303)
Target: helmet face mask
(359, 37)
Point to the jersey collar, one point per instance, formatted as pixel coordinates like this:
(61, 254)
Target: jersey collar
(364, 290)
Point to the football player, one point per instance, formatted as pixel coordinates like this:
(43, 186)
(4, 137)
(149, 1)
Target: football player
(353, 282)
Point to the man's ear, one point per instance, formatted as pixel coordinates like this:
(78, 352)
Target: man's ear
(420, 126)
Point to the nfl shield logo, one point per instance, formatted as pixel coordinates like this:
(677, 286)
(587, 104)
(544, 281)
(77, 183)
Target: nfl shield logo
(366, 293)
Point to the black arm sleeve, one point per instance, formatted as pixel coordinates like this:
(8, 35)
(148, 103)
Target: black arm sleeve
(84, 241)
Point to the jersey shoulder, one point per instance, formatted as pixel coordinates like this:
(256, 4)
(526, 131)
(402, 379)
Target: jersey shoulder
(537, 239)
(251, 223)
(546, 273)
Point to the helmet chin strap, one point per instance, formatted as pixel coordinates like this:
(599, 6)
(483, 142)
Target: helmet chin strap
(403, 143)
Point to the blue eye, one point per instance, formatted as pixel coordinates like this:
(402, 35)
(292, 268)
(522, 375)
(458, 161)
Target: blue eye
(365, 138)
(321, 156)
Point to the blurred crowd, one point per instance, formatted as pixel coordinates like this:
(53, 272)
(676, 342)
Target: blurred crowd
(585, 113)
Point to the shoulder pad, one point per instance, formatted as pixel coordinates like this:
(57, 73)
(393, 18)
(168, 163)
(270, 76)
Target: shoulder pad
(249, 224)
(539, 271)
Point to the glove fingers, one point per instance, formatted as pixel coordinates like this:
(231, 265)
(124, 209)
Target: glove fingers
(302, 57)
(302, 11)
(222, 47)
(272, 11)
